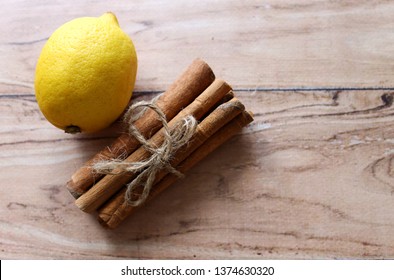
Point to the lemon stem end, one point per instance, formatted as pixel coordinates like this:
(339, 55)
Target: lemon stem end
(72, 129)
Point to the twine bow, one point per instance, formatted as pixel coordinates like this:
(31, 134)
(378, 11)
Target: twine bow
(174, 138)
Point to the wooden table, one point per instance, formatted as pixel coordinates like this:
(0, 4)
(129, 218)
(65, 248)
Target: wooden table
(311, 177)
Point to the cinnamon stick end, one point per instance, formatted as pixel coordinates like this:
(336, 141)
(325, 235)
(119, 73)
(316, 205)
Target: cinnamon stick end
(81, 181)
(81, 204)
(103, 222)
(72, 189)
(248, 116)
(198, 62)
(106, 222)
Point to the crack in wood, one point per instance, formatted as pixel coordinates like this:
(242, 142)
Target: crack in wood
(22, 43)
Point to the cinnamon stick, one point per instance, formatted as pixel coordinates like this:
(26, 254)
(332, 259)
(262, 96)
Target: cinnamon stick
(220, 116)
(111, 215)
(197, 77)
(211, 124)
(110, 184)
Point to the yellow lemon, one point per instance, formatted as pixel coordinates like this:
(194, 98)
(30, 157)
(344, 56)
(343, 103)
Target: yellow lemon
(85, 74)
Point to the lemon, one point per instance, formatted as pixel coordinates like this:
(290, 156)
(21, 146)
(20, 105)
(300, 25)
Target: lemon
(85, 74)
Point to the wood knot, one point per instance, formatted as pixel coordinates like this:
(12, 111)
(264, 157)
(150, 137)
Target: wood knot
(387, 99)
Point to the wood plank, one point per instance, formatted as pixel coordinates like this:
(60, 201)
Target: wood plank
(270, 44)
(312, 177)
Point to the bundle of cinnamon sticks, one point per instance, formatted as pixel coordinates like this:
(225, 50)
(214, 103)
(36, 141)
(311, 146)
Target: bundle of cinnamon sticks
(195, 93)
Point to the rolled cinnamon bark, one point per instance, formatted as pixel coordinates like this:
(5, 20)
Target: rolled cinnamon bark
(211, 124)
(110, 184)
(197, 77)
(116, 210)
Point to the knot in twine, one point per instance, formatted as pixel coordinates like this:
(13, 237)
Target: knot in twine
(174, 138)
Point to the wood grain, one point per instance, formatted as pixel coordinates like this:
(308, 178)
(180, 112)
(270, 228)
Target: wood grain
(312, 177)
(313, 43)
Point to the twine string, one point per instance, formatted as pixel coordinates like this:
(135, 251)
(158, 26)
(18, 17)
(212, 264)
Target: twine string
(174, 138)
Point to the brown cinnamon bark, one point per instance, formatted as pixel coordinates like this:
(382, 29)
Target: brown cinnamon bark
(116, 210)
(110, 184)
(211, 124)
(180, 94)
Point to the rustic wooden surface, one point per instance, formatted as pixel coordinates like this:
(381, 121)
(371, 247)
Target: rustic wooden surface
(312, 177)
